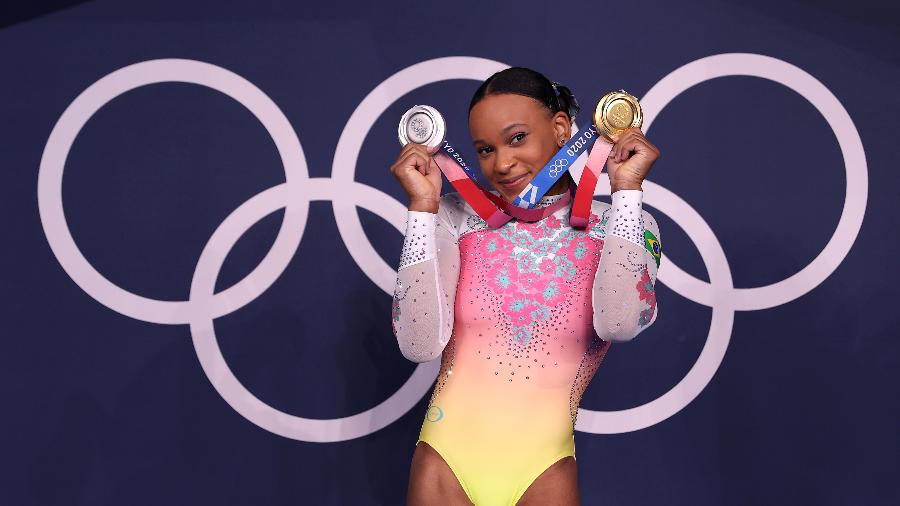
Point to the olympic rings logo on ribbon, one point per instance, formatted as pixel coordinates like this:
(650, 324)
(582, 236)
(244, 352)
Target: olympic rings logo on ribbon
(298, 190)
(558, 166)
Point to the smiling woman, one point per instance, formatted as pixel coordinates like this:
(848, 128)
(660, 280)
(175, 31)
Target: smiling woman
(520, 315)
(499, 117)
(511, 151)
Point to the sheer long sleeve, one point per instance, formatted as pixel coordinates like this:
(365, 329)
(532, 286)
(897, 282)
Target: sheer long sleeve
(623, 295)
(425, 292)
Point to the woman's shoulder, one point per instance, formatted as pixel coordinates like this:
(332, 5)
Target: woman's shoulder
(453, 202)
(456, 214)
(454, 208)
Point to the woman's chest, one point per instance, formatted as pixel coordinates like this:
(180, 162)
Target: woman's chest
(527, 277)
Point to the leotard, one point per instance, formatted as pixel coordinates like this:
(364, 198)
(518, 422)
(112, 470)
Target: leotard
(521, 317)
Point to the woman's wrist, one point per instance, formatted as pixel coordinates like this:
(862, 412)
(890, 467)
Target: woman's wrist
(424, 205)
(626, 186)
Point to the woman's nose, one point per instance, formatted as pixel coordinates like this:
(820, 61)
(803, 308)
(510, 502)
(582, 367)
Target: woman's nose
(504, 164)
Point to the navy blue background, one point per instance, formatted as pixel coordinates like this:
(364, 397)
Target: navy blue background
(100, 408)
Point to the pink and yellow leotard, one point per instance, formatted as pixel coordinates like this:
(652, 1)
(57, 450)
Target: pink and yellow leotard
(521, 317)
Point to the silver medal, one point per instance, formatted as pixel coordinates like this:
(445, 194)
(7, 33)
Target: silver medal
(422, 124)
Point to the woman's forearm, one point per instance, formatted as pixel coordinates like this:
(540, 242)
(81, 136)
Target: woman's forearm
(624, 299)
(421, 312)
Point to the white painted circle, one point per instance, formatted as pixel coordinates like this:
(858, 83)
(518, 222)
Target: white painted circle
(100, 93)
(210, 355)
(706, 365)
(773, 69)
(720, 293)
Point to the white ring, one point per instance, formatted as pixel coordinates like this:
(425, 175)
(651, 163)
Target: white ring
(50, 174)
(766, 67)
(703, 370)
(720, 293)
(216, 367)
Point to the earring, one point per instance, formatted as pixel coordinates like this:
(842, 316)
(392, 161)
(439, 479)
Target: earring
(561, 142)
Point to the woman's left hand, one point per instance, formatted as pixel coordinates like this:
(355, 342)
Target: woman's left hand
(630, 160)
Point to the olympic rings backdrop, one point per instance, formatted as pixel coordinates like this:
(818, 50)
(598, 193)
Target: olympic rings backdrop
(201, 235)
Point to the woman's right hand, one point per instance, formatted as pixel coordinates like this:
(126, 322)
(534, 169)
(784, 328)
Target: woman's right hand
(420, 177)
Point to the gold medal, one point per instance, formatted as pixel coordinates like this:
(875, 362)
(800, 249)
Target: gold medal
(616, 112)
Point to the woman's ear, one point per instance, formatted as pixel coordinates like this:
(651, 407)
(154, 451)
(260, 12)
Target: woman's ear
(562, 126)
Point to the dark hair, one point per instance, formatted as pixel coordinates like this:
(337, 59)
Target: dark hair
(529, 83)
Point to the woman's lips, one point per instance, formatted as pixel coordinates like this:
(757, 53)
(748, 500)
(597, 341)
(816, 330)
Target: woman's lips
(514, 183)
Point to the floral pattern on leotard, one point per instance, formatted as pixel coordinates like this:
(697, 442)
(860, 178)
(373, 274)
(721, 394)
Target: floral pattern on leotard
(646, 293)
(395, 305)
(530, 266)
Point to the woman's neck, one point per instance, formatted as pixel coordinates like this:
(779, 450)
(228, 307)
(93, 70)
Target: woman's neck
(558, 188)
(561, 186)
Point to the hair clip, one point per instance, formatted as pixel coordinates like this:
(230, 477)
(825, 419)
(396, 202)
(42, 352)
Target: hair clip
(573, 108)
(555, 85)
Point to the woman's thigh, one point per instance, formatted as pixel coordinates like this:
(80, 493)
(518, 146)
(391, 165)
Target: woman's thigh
(431, 481)
(557, 485)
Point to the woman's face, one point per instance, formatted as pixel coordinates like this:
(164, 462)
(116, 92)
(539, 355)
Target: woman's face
(514, 137)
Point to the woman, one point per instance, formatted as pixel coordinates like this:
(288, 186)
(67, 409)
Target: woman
(522, 315)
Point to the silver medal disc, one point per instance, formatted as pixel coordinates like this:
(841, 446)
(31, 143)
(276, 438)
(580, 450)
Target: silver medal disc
(422, 124)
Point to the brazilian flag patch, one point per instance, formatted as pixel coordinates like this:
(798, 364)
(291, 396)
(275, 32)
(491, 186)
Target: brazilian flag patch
(653, 246)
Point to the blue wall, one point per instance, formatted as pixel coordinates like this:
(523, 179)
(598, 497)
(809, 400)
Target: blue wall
(756, 385)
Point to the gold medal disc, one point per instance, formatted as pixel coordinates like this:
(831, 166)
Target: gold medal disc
(616, 112)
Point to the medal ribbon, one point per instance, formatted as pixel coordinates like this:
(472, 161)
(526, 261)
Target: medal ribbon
(493, 209)
(556, 167)
(559, 164)
(496, 211)
(584, 197)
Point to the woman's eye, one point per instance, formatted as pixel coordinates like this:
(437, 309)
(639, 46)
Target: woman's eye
(483, 151)
(519, 137)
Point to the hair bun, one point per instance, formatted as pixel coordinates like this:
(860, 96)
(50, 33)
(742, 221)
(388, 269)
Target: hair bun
(566, 100)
